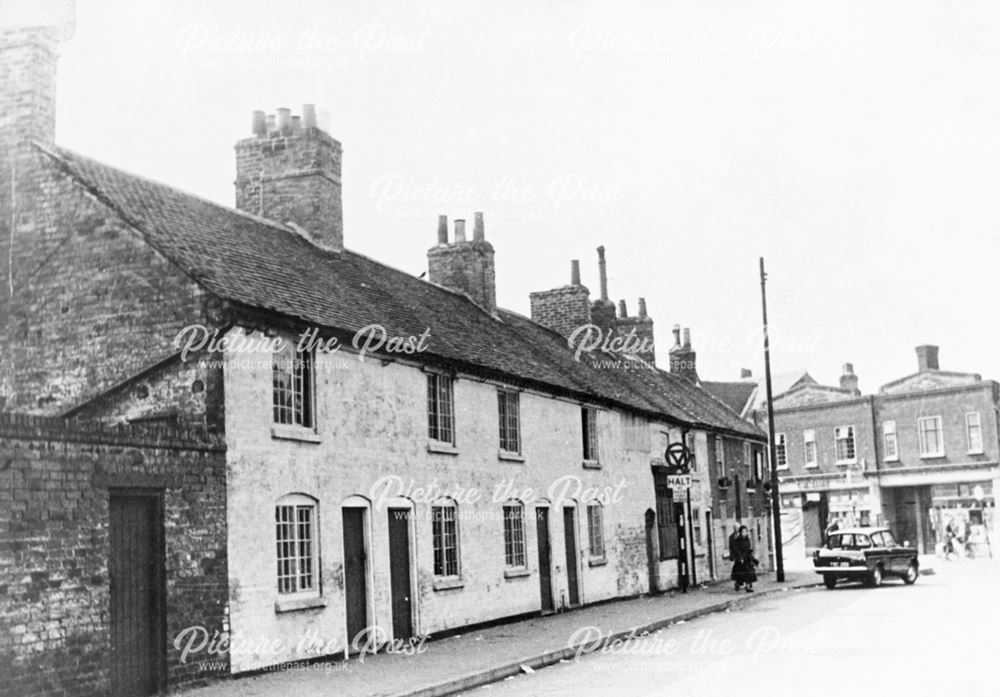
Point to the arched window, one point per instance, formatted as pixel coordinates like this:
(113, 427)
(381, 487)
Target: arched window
(595, 529)
(513, 535)
(444, 532)
(296, 528)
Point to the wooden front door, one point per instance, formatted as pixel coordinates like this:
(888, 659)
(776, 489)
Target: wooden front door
(355, 573)
(399, 573)
(572, 578)
(135, 568)
(544, 559)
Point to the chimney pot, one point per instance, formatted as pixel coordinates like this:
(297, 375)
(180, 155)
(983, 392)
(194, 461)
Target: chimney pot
(602, 265)
(284, 120)
(459, 230)
(296, 124)
(622, 310)
(270, 124)
(442, 229)
(848, 369)
(687, 337)
(309, 116)
(642, 308)
(259, 127)
(574, 272)
(478, 227)
(677, 334)
(746, 373)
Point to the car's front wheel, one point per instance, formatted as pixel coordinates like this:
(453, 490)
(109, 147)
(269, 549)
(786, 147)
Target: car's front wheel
(830, 581)
(910, 577)
(875, 577)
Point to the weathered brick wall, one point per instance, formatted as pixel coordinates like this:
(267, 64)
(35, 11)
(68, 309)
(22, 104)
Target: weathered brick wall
(467, 267)
(54, 549)
(92, 303)
(562, 309)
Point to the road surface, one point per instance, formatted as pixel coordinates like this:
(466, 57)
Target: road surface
(937, 637)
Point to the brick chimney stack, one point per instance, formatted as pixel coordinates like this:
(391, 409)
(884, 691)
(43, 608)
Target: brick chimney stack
(602, 311)
(465, 266)
(927, 358)
(27, 80)
(683, 359)
(289, 171)
(563, 309)
(849, 381)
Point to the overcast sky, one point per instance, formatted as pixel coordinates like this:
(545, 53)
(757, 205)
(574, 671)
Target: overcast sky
(854, 145)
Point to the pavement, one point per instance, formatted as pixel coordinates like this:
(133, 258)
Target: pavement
(472, 659)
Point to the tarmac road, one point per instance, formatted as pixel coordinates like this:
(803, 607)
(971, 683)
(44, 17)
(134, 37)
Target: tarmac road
(937, 637)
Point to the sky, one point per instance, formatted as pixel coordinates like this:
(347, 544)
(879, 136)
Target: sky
(854, 146)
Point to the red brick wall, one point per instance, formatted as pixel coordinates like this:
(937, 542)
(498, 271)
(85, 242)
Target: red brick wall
(54, 594)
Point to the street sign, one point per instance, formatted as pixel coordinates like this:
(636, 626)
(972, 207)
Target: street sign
(678, 457)
(679, 481)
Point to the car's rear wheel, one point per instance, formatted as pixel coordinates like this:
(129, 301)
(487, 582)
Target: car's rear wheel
(910, 577)
(830, 581)
(875, 577)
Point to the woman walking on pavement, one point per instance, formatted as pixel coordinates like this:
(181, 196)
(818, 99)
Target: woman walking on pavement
(744, 571)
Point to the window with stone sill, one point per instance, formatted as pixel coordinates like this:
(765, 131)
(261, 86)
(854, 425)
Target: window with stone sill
(889, 438)
(931, 436)
(974, 433)
(440, 408)
(444, 535)
(595, 529)
(293, 393)
(844, 444)
(295, 518)
(588, 418)
(513, 535)
(509, 411)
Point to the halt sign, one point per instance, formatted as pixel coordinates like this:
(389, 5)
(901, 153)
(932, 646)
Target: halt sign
(679, 481)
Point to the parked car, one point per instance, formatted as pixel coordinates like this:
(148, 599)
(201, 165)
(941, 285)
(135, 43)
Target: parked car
(865, 554)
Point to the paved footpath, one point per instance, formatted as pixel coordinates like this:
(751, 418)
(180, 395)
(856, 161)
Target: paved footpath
(483, 656)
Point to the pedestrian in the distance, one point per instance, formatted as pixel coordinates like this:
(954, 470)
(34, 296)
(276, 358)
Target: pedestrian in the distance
(732, 549)
(744, 563)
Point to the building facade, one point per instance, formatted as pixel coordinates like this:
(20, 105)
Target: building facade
(401, 457)
(918, 455)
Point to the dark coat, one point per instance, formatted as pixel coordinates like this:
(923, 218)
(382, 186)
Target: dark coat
(744, 564)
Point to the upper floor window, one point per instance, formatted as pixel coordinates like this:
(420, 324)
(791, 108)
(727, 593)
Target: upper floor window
(720, 456)
(513, 534)
(440, 408)
(444, 534)
(595, 529)
(295, 534)
(781, 451)
(931, 436)
(692, 460)
(510, 420)
(589, 420)
(758, 465)
(293, 387)
(891, 444)
(974, 432)
(809, 447)
(845, 446)
(748, 460)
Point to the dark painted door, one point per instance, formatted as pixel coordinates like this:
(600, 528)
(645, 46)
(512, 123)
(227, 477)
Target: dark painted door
(399, 573)
(544, 558)
(136, 574)
(572, 580)
(355, 573)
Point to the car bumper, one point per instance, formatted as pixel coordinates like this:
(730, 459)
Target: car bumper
(842, 570)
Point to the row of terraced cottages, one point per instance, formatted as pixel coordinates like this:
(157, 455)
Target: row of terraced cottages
(403, 457)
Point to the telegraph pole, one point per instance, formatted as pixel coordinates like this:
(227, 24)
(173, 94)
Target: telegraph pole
(775, 498)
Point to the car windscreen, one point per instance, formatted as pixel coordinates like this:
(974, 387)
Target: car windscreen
(848, 541)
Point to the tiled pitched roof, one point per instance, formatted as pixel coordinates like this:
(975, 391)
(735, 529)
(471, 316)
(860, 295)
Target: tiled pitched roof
(734, 395)
(267, 266)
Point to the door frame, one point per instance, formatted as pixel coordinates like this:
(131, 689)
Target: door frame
(403, 502)
(360, 502)
(547, 506)
(156, 496)
(572, 506)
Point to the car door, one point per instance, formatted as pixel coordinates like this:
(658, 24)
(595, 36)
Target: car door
(898, 556)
